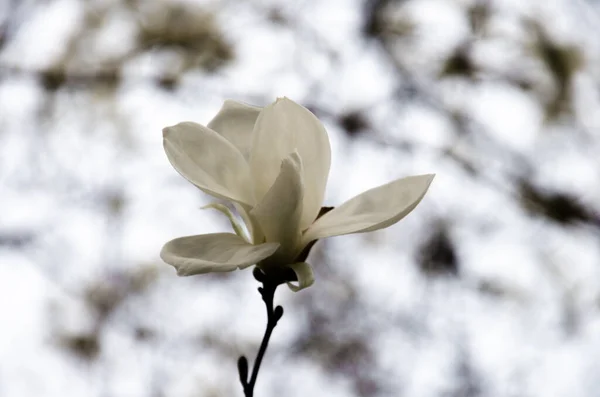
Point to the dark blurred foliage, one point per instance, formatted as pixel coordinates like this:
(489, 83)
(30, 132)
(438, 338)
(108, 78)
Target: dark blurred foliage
(353, 123)
(559, 207)
(459, 64)
(84, 346)
(438, 254)
(333, 336)
(104, 299)
(189, 31)
(563, 62)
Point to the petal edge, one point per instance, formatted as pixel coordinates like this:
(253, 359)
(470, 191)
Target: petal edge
(304, 274)
(281, 128)
(217, 252)
(373, 209)
(235, 121)
(280, 211)
(209, 161)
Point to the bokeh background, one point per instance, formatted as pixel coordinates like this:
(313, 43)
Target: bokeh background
(491, 287)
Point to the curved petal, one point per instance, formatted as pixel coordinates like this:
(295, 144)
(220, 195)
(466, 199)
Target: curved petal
(235, 121)
(281, 128)
(279, 213)
(304, 274)
(209, 161)
(372, 210)
(235, 224)
(256, 235)
(219, 252)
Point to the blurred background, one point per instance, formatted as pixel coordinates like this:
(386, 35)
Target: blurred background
(491, 287)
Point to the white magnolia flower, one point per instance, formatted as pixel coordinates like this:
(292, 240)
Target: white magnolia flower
(272, 163)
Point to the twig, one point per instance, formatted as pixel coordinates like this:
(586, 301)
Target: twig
(270, 283)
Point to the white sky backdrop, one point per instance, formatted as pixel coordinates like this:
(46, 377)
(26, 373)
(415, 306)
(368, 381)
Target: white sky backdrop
(88, 142)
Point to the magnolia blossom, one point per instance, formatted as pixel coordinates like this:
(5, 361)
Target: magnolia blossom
(272, 164)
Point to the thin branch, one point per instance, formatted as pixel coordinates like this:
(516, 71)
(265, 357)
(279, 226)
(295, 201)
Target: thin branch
(267, 291)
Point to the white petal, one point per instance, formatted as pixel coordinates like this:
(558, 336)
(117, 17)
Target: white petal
(219, 252)
(209, 161)
(235, 121)
(281, 128)
(372, 210)
(304, 274)
(237, 227)
(256, 234)
(279, 213)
